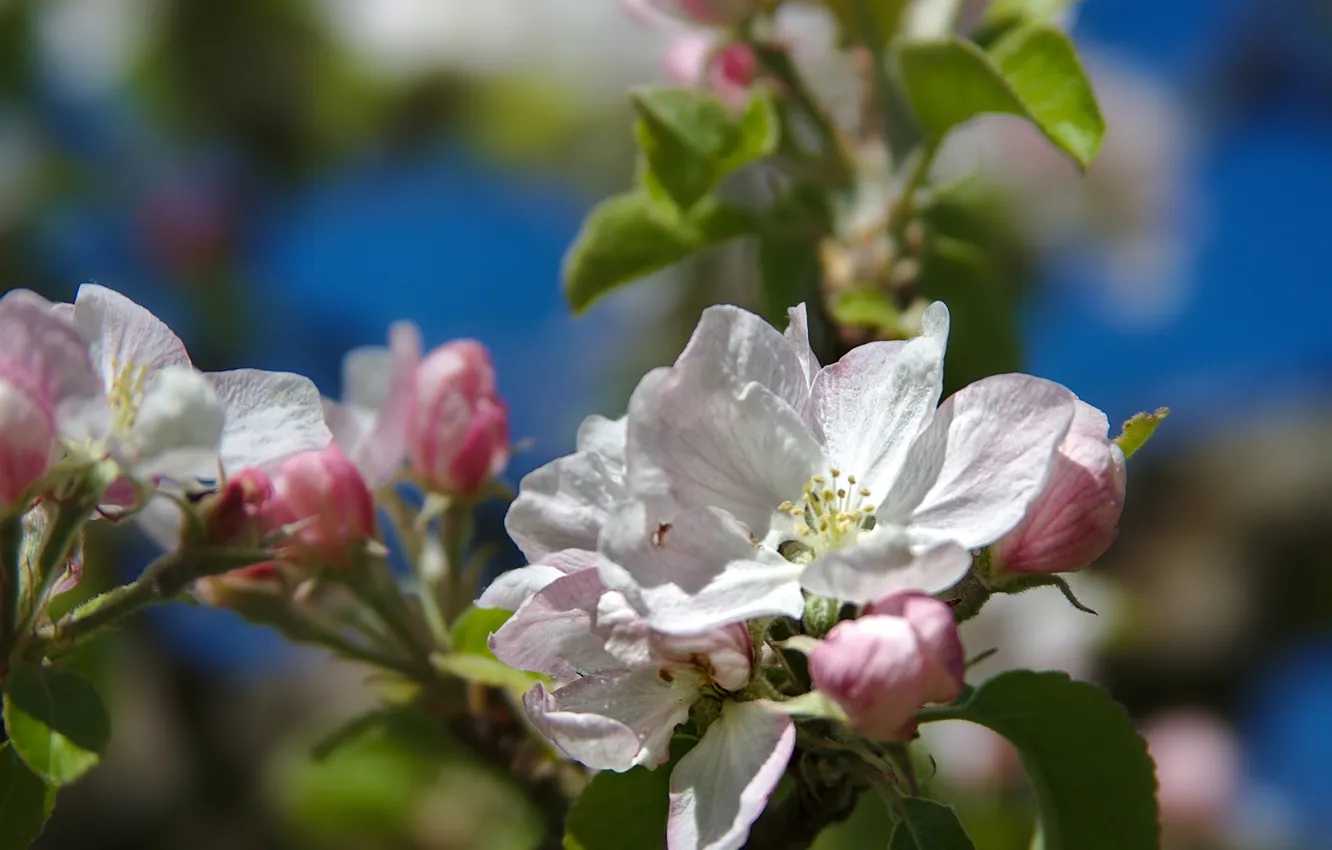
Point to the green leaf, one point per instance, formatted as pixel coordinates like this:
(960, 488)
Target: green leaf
(691, 140)
(1002, 17)
(1042, 66)
(1034, 74)
(1093, 779)
(620, 810)
(486, 670)
(928, 825)
(25, 801)
(472, 630)
(627, 237)
(56, 721)
(1139, 429)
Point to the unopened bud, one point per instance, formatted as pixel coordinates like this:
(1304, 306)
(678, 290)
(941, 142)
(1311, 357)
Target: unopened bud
(458, 429)
(236, 514)
(882, 667)
(321, 500)
(1076, 517)
(728, 70)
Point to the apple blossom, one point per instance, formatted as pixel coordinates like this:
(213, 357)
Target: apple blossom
(621, 688)
(457, 425)
(1076, 517)
(370, 423)
(44, 370)
(881, 667)
(322, 502)
(752, 472)
(163, 419)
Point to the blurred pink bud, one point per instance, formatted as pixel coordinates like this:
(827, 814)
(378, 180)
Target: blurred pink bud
(322, 499)
(728, 71)
(726, 654)
(238, 512)
(1197, 770)
(883, 666)
(458, 427)
(1076, 517)
(27, 440)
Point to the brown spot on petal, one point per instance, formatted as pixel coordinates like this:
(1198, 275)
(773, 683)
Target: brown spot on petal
(659, 536)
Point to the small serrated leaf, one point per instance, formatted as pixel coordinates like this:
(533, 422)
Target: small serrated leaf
(620, 810)
(1139, 429)
(627, 237)
(56, 722)
(1033, 73)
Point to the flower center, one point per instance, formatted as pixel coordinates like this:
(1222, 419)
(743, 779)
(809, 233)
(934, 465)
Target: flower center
(832, 513)
(125, 393)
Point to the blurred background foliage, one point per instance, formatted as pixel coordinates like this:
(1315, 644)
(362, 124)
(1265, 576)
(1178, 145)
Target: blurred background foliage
(280, 179)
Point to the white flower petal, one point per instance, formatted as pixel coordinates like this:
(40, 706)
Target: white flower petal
(379, 452)
(552, 631)
(43, 353)
(972, 473)
(744, 452)
(605, 438)
(270, 416)
(563, 505)
(123, 335)
(612, 721)
(722, 785)
(732, 347)
(797, 336)
(177, 428)
(872, 403)
(698, 571)
(514, 587)
(883, 561)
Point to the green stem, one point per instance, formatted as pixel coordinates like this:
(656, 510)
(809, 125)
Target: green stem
(163, 580)
(905, 208)
(455, 532)
(11, 551)
(61, 534)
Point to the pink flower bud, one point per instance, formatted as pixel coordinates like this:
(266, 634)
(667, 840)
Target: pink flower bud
(1076, 517)
(322, 499)
(458, 427)
(882, 667)
(238, 512)
(729, 70)
(725, 654)
(26, 444)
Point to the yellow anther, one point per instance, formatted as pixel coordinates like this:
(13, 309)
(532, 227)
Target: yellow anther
(836, 472)
(864, 492)
(851, 479)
